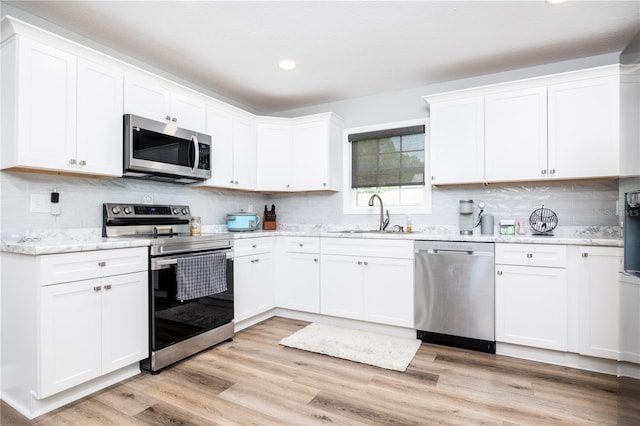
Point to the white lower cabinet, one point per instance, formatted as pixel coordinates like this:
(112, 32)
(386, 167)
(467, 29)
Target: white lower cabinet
(91, 327)
(599, 301)
(531, 300)
(531, 306)
(367, 287)
(629, 330)
(298, 283)
(253, 277)
(82, 316)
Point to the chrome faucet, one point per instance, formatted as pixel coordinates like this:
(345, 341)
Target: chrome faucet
(383, 222)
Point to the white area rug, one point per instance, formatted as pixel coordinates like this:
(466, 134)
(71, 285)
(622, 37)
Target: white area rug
(392, 353)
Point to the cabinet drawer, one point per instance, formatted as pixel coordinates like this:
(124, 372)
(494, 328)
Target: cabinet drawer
(67, 267)
(554, 256)
(301, 244)
(250, 246)
(399, 249)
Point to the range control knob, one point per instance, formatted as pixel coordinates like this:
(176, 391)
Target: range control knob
(127, 210)
(115, 210)
(175, 211)
(185, 212)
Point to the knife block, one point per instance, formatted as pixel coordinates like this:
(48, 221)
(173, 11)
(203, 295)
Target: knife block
(269, 219)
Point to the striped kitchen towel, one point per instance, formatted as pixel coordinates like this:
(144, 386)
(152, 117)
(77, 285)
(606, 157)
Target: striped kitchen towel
(200, 276)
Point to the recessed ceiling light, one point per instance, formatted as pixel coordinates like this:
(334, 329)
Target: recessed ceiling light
(287, 64)
(555, 1)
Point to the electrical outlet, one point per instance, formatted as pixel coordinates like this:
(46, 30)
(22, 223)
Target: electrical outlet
(39, 203)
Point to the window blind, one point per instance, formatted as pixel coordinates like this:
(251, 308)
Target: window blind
(390, 157)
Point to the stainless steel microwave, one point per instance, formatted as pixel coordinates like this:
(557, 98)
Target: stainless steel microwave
(165, 152)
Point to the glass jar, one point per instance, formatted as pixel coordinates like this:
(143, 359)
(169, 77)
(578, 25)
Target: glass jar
(196, 225)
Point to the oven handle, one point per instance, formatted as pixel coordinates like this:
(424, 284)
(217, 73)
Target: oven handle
(168, 261)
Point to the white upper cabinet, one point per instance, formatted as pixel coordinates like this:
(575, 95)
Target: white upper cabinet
(274, 154)
(564, 126)
(100, 93)
(457, 141)
(315, 141)
(296, 154)
(150, 97)
(60, 111)
(233, 147)
(516, 135)
(584, 128)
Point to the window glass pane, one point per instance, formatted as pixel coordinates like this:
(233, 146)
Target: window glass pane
(412, 195)
(413, 142)
(391, 196)
(390, 145)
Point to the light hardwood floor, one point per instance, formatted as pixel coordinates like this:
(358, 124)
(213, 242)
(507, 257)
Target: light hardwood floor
(254, 380)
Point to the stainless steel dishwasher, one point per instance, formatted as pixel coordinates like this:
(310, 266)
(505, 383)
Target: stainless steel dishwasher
(455, 294)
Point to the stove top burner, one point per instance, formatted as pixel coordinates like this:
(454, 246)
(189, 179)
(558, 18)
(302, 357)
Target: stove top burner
(165, 226)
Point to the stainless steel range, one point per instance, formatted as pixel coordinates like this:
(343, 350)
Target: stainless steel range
(190, 279)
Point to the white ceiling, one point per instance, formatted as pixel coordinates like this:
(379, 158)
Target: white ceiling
(343, 49)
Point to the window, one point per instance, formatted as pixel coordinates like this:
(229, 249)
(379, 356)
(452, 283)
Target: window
(388, 160)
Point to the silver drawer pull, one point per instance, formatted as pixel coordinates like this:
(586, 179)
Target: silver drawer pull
(83, 163)
(529, 255)
(585, 254)
(315, 259)
(254, 245)
(102, 264)
(97, 288)
(359, 262)
(301, 245)
(499, 272)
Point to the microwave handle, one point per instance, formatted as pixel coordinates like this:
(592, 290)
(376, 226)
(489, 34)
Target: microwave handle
(196, 146)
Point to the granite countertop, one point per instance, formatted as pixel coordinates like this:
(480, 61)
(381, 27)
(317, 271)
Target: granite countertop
(69, 242)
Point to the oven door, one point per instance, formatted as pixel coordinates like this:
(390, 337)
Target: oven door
(172, 320)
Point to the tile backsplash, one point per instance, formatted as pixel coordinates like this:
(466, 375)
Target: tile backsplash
(581, 204)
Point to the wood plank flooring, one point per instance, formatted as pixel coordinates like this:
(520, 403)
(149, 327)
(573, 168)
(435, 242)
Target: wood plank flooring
(255, 381)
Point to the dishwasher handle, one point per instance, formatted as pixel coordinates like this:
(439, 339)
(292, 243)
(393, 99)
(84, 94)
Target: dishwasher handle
(454, 252)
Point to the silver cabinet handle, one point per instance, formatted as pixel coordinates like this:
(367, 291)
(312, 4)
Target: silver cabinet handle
(236, 182)
(366, 263)
(552, 171)
(72, 161)
(359, 262)
(529, 255)
(102, 264)
(82, 163)
(301, 245)
(585, 254)
(433, 178)
(499, 272)
(107, 287)
(324, 183)
(254, 245)
(315, 259)
(231, 182)
(168, 118)
(544, 172)
(174, 119)
(97, 288)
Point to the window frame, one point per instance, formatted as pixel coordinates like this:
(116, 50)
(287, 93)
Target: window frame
(349, 194)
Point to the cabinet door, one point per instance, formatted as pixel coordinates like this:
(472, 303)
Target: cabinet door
(531, 306)
(457, 141)
(100, 109)
(254, 287)
(220, 127)
(388, 291)
(125, 329)
(273, 157)
(310, 151)
(147, 98)
(244, 153)
(584, 133)
(629, 334)
(342, 286)
(70, 335)
(599, 301)
(189, 112)
(516, 135)
(46, 106)
(299, 286)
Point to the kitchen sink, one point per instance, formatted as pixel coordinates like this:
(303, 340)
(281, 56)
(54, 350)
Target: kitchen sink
(366, 231)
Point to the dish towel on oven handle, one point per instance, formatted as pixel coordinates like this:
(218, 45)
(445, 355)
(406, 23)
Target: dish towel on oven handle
(200, 276)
